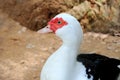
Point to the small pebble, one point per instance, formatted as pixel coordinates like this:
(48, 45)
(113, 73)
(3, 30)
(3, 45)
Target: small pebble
(110, 48)
(23, 29)
(103, 36)
(116, 50)
(96, 35)
(30, 46)
(42, 60)
(44, 49)
(103, 42)
(22, 62)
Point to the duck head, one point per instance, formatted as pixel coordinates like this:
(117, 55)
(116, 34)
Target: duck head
(66, 27)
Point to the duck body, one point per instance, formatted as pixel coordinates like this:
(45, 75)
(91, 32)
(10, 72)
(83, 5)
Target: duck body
(64, 67)
(66, 64)
(100, 67)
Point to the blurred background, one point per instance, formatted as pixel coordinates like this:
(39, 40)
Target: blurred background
(23, 51)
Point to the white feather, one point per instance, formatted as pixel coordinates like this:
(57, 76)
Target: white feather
(62, 64)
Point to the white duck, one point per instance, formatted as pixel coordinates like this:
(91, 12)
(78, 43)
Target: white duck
(65, 64)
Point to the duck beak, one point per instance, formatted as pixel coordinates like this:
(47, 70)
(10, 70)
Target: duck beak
(46, 29)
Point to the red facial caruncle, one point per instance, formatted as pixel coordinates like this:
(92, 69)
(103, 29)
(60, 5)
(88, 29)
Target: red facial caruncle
(56, 23)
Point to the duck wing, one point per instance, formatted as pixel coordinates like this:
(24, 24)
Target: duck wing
(100, 67)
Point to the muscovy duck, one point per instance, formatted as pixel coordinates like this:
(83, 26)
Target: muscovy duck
(66, 63)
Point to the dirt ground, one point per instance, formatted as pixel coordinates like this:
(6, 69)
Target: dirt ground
(23, 52)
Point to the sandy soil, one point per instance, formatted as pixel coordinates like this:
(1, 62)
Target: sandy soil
(23, 52)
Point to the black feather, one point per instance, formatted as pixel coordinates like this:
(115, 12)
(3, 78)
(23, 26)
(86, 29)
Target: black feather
(99, 66)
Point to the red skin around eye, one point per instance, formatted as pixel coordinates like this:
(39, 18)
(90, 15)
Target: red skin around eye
(54, 25)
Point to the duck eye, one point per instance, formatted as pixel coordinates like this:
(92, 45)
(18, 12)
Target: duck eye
(59, 22)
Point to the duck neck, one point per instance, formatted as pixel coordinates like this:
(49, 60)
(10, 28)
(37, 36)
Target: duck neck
(73, 44)
(63, 61)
